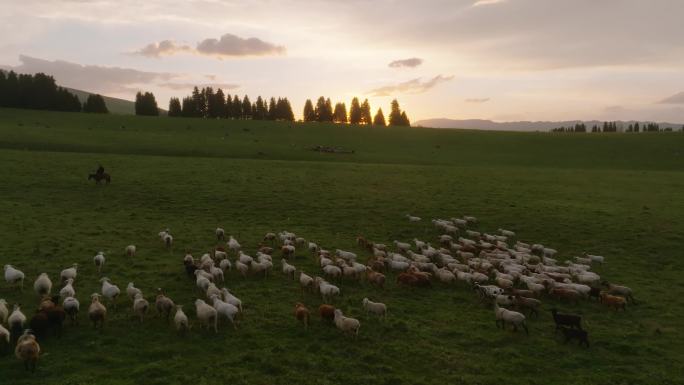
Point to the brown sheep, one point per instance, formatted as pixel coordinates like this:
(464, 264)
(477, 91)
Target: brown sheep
(375, 278)
(164, 304)
(567, 294)
(97, 312)
(302, 314)
(327, 312)
(28, 351)
(613, 301)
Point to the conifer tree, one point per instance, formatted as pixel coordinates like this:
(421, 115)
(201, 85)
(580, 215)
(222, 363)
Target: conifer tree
(309, 114)
(379, 119)
(355, 112)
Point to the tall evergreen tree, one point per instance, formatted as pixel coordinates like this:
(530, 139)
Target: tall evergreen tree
(261, 112)
(395, 114)
(355, 112)
(246, 108)
(189, 108)
(272, 111)
(404, 119)
(323, 110)
(219, 107)
(237, 107)
(636, 127)
(366, 113)
(340, 113)
(95, 104)
(146, 104)
(175, 109)
(309, 114)
(379, 119)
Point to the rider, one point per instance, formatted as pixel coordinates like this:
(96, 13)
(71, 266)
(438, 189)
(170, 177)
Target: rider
(100, 170)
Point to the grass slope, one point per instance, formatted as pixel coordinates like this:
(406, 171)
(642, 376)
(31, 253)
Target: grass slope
(114, 105)
(615, 195)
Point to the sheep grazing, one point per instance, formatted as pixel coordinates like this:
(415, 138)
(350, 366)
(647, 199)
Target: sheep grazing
(327, 312)
(613, 301)
(163, 304)
(69, 273)
(220, 234)
(99, 261)
(506, 233)
(305, 281)
(228, 310)
(71, 307)
(402, 246)
(16, 321)
(28, 350)
(4, 312)
(470, 219)
(571, 320)
(288, 269)
(412, 218)
(225, 265)
(140, 306)
(130, 250)
(580, 335)
(313, 248)
(288, 251)
(375, 278)
(531, 304)
(594, 258)
(131, 291)
(68, 289)
(375, 308)
(326, 289)
(42, 285)
(332, 271)
(504, 316)
(302, 314)
(242, 268)
(14, 276)
(206, 314)
(270, 237)
(181, 320)
(212, 289)
(97, 312)
(346, 324)
(110, 291)
(233, 245)
(231, 299)
(623, 291)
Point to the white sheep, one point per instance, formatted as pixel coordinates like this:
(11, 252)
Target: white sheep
(313, 247)
(506, 233)
(140, 306)
(225, 264)
(375, 307)
(97, 312)
(402, 246)
(68, 289)
(70, 272)
(16, 319)
(201, 281)
(226, 309)
(130, 251)
(444, 275)
(470, 219)
(231, 299)
(99, 261)
(244, 258)
(220, 234)
(206, 314)
(131, 291)
(181, 320)
(109, 290)
(233, 245)
(288, 269)
(326, 289)
(42, 285)
(346, 255)
(217, 273)
(4, 312)
(305, 280)
(212, 290)
(14, 276)
(504, 316)
(412, 218)
(71, 306)
(594, 258)
(398, 265)
(419, 244)
(346, 324)
(4, 335)
(332, 271)
(242, 268)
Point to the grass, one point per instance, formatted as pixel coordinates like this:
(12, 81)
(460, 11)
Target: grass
(615, 195)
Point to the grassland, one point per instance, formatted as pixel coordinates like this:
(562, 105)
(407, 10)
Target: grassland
(615, 195)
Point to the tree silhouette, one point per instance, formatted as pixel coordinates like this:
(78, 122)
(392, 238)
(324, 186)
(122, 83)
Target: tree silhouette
(95, 104)
(175, 109)
(216, 106)
(355, 111)
(146, 104)
(395, 118)
(237, 108)
(340, 113)
(37, 91)
(366, 113)
(246, 108)
(309, 114)
(272, 111)
(379, 119)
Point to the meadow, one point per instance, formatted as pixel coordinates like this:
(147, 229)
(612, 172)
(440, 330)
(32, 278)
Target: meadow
(617, 195)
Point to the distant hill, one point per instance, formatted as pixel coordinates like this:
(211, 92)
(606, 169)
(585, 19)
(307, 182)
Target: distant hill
(114, 105)
(480, 124)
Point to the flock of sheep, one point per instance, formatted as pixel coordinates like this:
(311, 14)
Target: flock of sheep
(512, 277)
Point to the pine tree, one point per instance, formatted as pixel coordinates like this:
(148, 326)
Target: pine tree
(246, 108)
(175, 109)
(272, 112)
(237, 107)
(285, 110)
(261, 109)
(355, 112)
(340, 113)
(404, 119)
(218, 105)
(636, 127)
(146, 104)
(395, 114)
(366, 117)
(379, 119)
(323, 110)
(95, 104)
(189, 109)
(309, 114)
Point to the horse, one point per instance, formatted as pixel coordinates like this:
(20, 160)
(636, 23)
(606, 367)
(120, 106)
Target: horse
(100, 177)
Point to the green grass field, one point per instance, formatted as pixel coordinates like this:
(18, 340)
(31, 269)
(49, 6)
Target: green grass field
(617, 195)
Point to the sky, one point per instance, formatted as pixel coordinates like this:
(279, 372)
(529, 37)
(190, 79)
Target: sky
(504, 60)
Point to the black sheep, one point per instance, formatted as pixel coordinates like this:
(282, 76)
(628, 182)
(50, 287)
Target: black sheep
(581, 335)
(566, 320)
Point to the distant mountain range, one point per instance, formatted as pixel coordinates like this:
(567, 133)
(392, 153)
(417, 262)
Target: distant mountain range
(480, 124)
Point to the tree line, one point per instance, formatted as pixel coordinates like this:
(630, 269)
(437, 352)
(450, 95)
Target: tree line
(359, 113)
(41, 92)
(206, 103)
(613, 127)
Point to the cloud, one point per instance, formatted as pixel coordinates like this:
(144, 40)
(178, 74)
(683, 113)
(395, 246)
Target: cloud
(413, 86)
(231, 45)
(228, 45)
(190, 86)
(163, 48)
(411, 62)
(674, 99)
(477, 100)
(479, 3)
(92, 78)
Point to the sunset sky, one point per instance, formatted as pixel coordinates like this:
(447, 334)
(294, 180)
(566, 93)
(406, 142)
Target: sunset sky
(491, 59)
